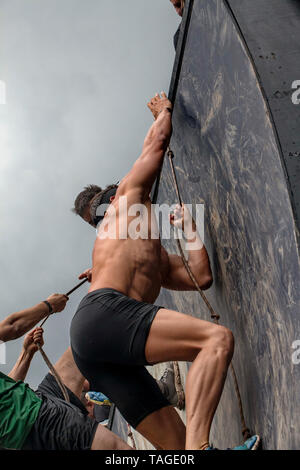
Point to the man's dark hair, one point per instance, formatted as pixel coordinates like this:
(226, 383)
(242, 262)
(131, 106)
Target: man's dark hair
(83, 198)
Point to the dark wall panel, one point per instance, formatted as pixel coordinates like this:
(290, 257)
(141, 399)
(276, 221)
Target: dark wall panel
(227, 155)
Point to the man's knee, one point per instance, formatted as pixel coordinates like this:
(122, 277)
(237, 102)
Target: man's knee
(222, 339)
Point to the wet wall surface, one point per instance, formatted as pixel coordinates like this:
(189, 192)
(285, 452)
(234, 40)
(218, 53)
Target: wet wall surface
(227, 155)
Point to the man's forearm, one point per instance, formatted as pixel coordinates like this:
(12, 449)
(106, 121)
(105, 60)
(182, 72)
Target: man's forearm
(198, 257)
(21, 367)
(161, 130)
(147, 167)
(19, 323)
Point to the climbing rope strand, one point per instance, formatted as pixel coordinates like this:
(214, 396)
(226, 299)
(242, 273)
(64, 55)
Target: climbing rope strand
(215, 317)
(55, 373)
(245, 429)
(131, 436)
(46, 358)
(178, 386)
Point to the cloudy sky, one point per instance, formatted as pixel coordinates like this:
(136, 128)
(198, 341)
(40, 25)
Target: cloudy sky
(78, 76)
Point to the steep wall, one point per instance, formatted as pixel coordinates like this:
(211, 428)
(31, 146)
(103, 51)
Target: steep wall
(236, 145)
(228, 155)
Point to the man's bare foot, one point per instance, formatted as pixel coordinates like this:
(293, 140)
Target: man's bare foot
(158, 104)
(178, 5)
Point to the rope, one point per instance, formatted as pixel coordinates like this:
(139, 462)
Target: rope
(215, 317)
(178, 386)
(131, 436)
(55, 373)
(46, 358)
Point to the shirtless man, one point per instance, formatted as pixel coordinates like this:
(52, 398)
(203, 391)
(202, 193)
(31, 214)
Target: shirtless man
(117, 330)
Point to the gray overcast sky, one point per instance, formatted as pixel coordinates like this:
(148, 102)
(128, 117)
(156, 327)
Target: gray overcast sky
(78, 76)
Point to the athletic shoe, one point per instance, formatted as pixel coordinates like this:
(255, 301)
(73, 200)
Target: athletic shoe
(250, 444)
(98, 398)
(167, 385)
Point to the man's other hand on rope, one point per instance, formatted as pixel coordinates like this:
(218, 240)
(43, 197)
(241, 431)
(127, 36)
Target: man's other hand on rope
(30, 347)
(32, 340)
(182, 220)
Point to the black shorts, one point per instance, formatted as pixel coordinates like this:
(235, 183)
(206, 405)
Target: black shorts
(108, 337)
(60, 425)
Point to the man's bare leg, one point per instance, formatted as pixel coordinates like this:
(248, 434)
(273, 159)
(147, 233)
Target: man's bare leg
(69, 373)
(179, 337)
(164, 429)
(107, 440)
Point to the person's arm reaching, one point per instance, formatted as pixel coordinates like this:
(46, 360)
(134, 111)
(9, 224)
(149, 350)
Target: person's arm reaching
(176, 276)
(19, 323)
(146, 168)
(29, 349)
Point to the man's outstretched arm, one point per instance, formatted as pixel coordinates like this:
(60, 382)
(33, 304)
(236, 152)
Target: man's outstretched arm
(19, 323)
(29, 349)
(146, 168)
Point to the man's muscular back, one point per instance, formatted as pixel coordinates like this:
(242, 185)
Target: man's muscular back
(128, 255)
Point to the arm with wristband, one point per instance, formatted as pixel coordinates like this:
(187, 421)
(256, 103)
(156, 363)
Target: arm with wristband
(19, 323)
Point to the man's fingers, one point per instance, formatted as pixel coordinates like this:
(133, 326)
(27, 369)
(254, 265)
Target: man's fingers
(38, 330)
(163, 94)
(38, 339)
(38, 333)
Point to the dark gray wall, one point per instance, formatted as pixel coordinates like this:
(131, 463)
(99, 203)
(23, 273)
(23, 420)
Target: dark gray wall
(227, 155)
(271, 29)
